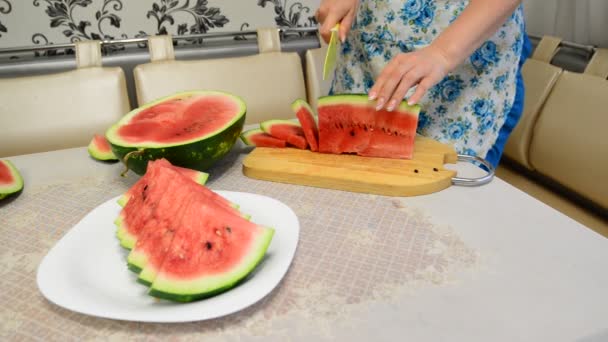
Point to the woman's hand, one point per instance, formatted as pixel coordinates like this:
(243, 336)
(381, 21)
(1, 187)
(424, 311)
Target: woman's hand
(332, 12)
(422, 68)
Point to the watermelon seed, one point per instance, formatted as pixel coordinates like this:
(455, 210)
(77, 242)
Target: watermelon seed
(435, 169)
(416, 170)
(352, 133)
(208, 245)
(229, 230)
(218, 232)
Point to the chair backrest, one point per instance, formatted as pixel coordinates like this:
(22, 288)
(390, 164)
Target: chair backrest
(539, 78)
(569, 142)
(268, 82)
(61, 110)
(315, 85)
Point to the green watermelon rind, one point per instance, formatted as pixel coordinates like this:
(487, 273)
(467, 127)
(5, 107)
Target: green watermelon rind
(299, 103)
(16, 186)
(363, 99)
(188, 291)
(198, 154)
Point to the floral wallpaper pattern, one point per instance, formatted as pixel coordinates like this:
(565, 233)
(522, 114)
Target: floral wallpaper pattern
(41, 22)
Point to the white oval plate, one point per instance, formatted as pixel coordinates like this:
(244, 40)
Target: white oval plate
(86, 270)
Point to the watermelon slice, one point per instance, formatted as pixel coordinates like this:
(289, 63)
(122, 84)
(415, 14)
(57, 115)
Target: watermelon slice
(190, 129)
(192, 246)
(257, 137)
(99, 148)
(351, 124)
(211, 252)
(305, 115)
(11, 181)
(146, 194)
(197, 176)
(289, 131)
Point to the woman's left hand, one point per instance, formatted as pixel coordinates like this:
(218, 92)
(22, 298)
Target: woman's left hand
(422, 68)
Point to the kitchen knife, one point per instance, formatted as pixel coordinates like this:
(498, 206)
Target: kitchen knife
(330, 56)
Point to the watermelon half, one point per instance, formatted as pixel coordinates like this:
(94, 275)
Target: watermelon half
(190, 129)
(289, 131)
(100, 149)
(257, 137)
(305, 115)
(11, 181)
(351, 124)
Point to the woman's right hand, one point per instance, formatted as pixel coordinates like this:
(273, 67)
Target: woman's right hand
(332, 12)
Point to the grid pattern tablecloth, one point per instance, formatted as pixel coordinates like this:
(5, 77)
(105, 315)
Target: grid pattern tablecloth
(354, 250)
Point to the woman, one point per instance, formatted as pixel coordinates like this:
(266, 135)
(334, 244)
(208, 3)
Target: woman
(459, 59)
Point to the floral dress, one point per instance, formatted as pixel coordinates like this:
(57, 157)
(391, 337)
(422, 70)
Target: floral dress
(476, 106)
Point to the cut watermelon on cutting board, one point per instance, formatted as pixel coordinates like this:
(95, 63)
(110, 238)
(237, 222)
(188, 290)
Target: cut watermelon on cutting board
(423, 174)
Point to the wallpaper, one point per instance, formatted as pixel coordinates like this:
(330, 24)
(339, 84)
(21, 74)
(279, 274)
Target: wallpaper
(40, 22)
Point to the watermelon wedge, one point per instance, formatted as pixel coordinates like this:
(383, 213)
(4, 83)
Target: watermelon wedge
(350, 124)
(211, 252)
(305, 115)
(190, 129)
(11, 182)
(289, 131)
(197, 176)
(257, 137)
(100, 149)
(146, 194)
(192, 245)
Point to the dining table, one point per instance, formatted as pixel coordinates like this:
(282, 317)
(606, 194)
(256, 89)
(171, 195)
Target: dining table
(481, 263)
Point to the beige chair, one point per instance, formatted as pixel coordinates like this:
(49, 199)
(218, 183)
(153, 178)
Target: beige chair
(569, 143)
(268, 82)
(62, 110)
(315, 85)
(539, 78)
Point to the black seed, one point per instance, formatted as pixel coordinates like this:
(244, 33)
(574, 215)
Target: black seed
(352, 133)
(208, 245)
(416, 170)
(435, 169)
(229, 230)
(365, 128)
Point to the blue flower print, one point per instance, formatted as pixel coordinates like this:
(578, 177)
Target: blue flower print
(481, 106)
(368, 81)
(423, 120)
(499, 82)
(426, 17)
(411, 10)
(469, 152)
(441, 110)
(474, 81)
(347, 47)
(486, 55)
(367, 17)
(390, 16)
(486, 122)
(448, 89)
(458, 129)
(489, 52)
(373, 47)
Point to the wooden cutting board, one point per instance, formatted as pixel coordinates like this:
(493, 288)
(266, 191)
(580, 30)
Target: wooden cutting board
(423, 174)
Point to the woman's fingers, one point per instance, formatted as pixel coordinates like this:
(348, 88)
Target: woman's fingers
(421, 89)
(346, 24)
(330, 21)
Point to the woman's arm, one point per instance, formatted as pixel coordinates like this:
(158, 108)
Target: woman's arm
(427, 66)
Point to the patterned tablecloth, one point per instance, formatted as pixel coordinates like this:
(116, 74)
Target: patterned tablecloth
(356, 251)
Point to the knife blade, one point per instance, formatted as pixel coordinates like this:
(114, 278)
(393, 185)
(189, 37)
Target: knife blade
(330, 55)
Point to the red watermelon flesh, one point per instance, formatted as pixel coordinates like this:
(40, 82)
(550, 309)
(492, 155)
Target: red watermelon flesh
(178, 120)
(160, 178)
(6, 176)
(307, 121)
(257, 137)
(289, 131)
(197, 176)
(212, 250)
(350, 124)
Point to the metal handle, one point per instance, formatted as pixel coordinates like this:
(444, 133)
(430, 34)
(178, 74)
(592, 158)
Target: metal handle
(474, 181)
